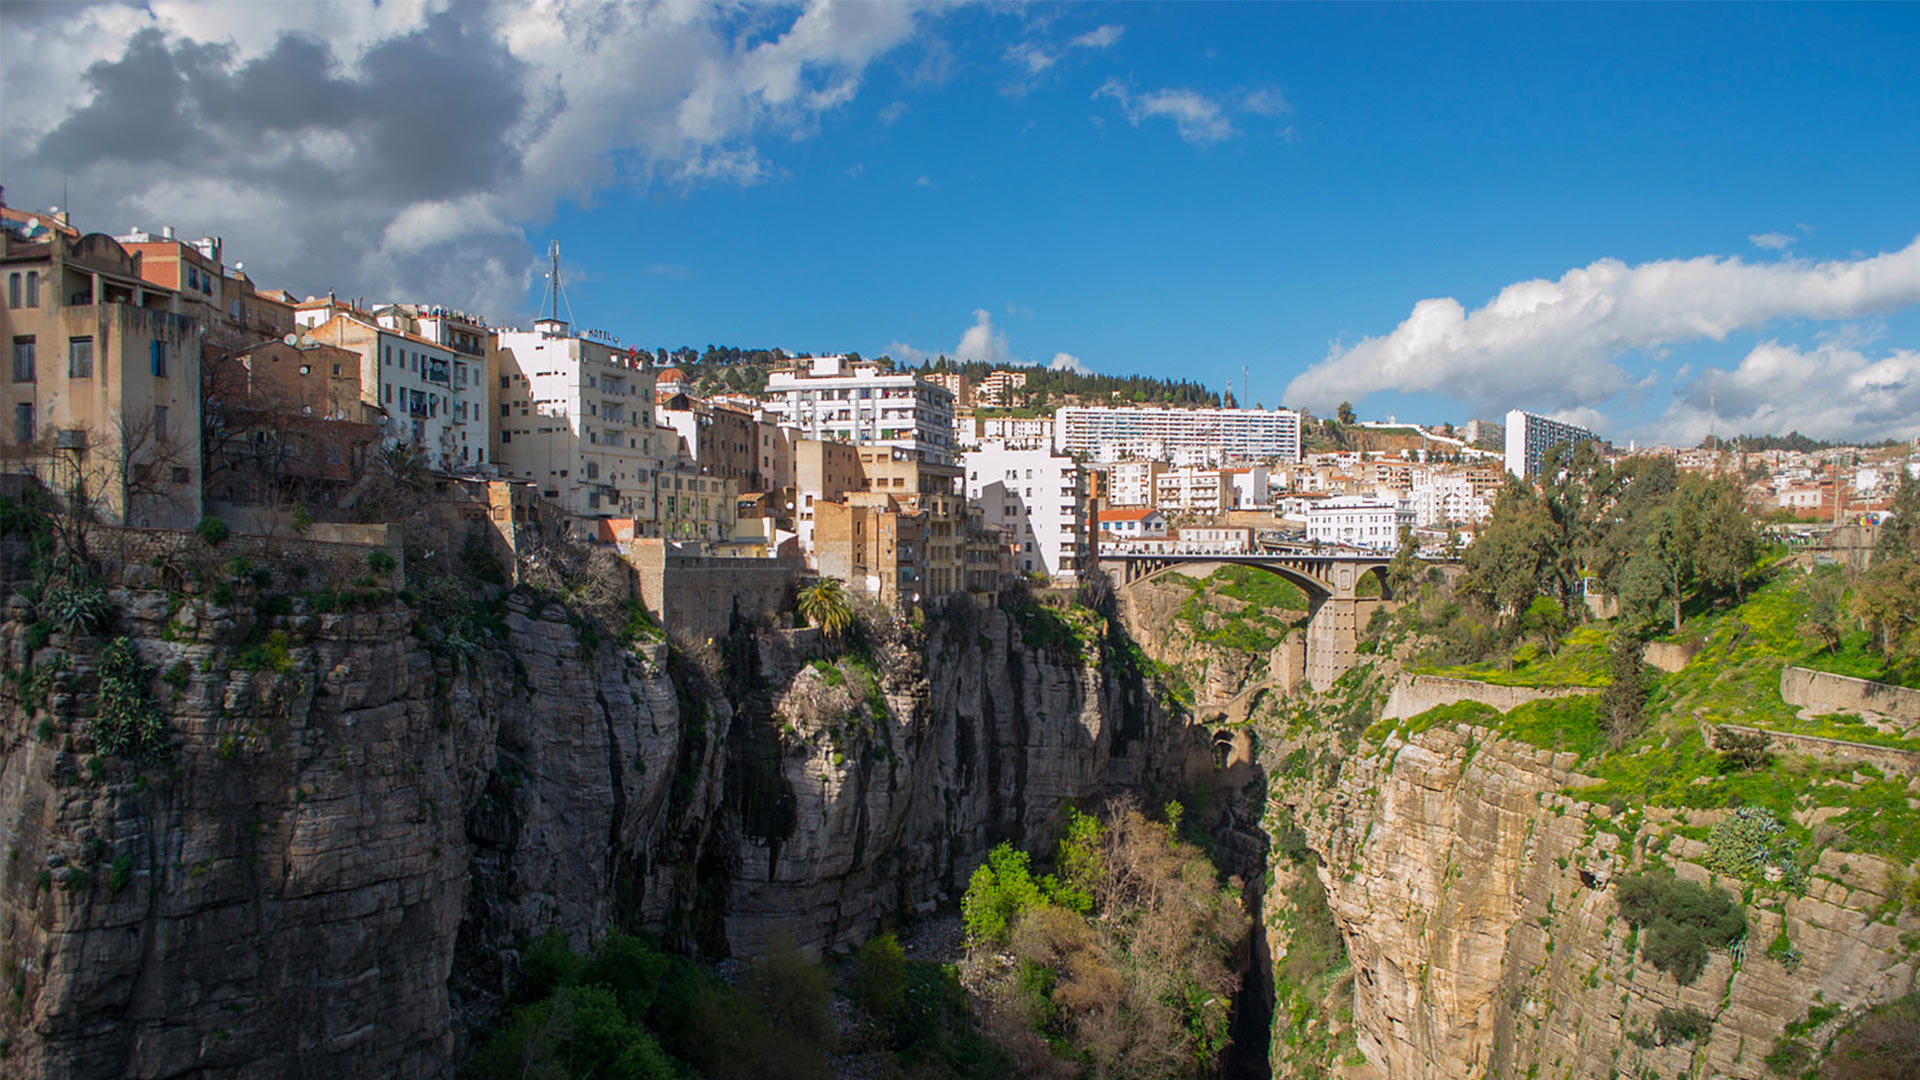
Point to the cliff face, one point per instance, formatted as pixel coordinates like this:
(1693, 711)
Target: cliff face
(355, 827)
(1474, 900)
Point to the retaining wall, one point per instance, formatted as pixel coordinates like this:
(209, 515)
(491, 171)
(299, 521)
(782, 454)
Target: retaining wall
(1885, 758)
(1413, 695)
(1824, 691)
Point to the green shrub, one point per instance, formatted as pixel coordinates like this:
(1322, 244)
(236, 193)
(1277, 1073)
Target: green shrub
(1752, 845)
(212, 531)
(1000, 889)
(878, 983)
(1676, 1025)
(381, 561)
(1679, 921)
(126, 721)
(76, 607)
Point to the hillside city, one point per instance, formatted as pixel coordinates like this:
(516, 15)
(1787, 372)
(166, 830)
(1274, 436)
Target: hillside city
(152, 373)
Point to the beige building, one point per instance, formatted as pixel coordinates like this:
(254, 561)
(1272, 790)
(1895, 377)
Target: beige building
(934, 492)
(104, 380)
(824, 470)
(575, 416)
(432, 398)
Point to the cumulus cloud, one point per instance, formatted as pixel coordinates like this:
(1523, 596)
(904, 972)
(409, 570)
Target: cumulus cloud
(403, 148)
(982, 342)
(985, 343)
(1548, 345)
(1198, 118)
(1069, 362)
(1832, 391)
(1772, 241)
(892, 113)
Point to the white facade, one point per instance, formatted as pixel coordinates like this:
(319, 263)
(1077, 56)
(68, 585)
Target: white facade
(1252, 488)
(1038, 499)
(1442, 497)
(1193, 491)
(1132, 524)
(1109, 433)
(1017, 432)
(1358, 521)
(1131, 483)
(863, 403)
(434, 399)
(1529, 437)
(578, 421)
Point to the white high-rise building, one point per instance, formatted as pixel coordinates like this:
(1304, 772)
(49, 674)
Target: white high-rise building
(1038, 499)
(843, 401)
(1221, 436)
(1530, 436)
(576, 418)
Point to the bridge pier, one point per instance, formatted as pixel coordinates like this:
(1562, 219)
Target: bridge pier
(1333, 640)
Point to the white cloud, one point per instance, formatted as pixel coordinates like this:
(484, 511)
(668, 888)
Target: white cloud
(892, 113)
(923, 182)
(1198, 118)
(1549, 345)
(1031, 57)
(1069, 362)
(1772, 241)
(1099, 38)
(981, 341)
(1828, 392)
(1264, 102)
(403, 148)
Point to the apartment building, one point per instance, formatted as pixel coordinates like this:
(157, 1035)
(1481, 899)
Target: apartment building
(1038, 501)
(1017, 432)
(932, 491)
(285, 423)
(1530, 436)
(1219, 436)
(433, 398)
(863, 403)
(999, 388)
(1252, 488)
(1358, 521)
(722, 440)
(823, 471)
(1134, 483)
(956, 384)
(104, 390)
(1449, 497)
(873, 545)
(575, 415)
(1193, 491)
(694, 506)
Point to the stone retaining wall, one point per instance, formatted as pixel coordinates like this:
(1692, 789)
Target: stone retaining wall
(1885, 758)
(1413, 695)
(1824, 691)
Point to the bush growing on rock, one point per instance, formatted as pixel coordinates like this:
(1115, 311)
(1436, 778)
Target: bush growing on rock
(1679, 921)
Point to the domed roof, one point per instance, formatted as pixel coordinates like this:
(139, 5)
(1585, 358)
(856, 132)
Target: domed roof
(671, 375)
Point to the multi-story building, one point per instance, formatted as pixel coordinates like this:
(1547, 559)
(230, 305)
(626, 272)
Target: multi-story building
(1252, 489)
(1530, 436)
(575, 415)
(956, 384)
(1358, 521)
(823, 471)
(1134, 483)
(1113, 433)
(1439, 497)
(1017, 432)
(1037, 499)
(1193, 491)
(873, 545)
(999, 387)
(693, 506)
(1131, 523)
(721, 439)
(285, 423)
(862, 403)
(933, 491)
(104, 396)
(433, 398)
(1484, 434)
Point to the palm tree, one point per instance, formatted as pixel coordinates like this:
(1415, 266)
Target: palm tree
(824, 604)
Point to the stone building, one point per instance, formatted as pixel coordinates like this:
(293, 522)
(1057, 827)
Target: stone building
(104, 381)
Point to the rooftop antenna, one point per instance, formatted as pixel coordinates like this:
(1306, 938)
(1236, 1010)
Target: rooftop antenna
(556, 292)
(1245, 389)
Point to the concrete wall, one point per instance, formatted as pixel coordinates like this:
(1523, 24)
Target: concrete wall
(1670, 656)
(1413, 695)
(698, 595)
(321, 563)
(1885, 758)
(1826, 692)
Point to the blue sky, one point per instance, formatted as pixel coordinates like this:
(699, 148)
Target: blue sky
(1167, 189)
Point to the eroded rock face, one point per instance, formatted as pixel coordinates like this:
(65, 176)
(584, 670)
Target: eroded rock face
(332, 872)
(1476, 906)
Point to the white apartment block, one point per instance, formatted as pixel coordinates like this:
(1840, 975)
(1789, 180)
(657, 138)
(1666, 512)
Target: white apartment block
(863, 403)
(435, 398)
(1193, 491)
(996, 388)
(1017, 432)
(1252, 489)
(1038, 499)
(1440, 498)
(1110, 433)
(1358, 521)
(1131, 483)
(1530, 436)
(576, 417)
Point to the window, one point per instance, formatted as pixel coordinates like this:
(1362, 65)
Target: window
(389, 394)
(506, 436)
(33, 288)
(193, 278)
(13, 290)
(158, 350)
(80, 358)
(23, 359)
(160, 418)
(23, 422)
(336, 371)
(386, 355)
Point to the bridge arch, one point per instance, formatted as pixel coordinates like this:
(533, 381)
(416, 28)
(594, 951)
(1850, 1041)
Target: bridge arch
(1315, 587)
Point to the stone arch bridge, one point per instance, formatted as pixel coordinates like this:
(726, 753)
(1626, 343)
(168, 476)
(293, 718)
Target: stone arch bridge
(1331, 581)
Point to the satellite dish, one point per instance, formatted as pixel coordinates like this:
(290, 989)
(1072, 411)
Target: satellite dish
(291, 339)
(239, 266)
(33, 223)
